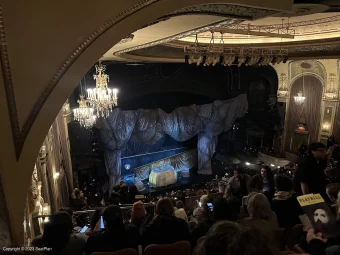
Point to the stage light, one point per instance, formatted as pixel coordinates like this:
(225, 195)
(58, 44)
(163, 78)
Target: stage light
(191, 59)
(247, 163)
(272, 165)
(46, 219)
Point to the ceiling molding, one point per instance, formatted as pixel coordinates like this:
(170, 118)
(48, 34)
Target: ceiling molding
(176, 54)
(20, 134)
(178, 36)
(223, 10)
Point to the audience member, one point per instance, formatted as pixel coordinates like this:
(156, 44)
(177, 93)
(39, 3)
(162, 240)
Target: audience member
(123, 193)
(310, 177)
(165, 228)
(115, 236)
(263, 182)
(180, 212)
(232, 239)
(70, 212)
(238, 184)
(261, 216)
(285, 204)
(131, 197)
(58, 236)
(114, 198)
(138, 215)
(94, 223)
(78, 201)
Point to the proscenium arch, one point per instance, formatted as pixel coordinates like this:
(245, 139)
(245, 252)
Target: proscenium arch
(16, 174)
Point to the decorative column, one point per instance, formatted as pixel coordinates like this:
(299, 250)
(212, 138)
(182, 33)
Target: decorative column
(329, 107)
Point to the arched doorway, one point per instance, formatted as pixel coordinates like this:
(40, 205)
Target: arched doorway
(308, 112)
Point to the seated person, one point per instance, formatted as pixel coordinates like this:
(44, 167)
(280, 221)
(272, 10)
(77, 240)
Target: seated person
(94, 223)
(238, 184)
(165, 228)
(58, 236)
(285, 204)
(115, 236)
(261, 217)
(78, 200)
(231, 238)
(180, 212)
(138, 215)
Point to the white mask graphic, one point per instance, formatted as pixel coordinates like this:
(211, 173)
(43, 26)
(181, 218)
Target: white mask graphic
(321, 215)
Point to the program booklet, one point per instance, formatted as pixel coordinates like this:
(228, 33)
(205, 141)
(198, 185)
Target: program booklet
(319, 214)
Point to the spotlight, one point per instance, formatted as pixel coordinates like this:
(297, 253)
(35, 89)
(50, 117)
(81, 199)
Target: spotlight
(247, 163)
(272, 165)
(46, 219)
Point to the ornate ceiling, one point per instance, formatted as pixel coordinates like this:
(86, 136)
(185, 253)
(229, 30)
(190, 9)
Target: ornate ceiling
(309, 31)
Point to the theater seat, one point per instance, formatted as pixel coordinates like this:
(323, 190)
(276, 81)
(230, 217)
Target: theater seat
(120, 252)
(178, 248)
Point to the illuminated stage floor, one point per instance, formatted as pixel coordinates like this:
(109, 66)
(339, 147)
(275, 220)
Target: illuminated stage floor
(182, 183)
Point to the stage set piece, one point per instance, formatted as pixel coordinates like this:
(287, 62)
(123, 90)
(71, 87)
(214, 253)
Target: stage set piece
(148, 126)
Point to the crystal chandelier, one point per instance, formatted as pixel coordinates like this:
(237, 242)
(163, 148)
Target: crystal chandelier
(300, 99)
(102, 98)
(83, 112)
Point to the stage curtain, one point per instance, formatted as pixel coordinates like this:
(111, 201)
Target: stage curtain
(309, 110)
(148, 126)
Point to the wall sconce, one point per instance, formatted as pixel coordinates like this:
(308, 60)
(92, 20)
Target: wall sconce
(325, 127)
(56, 176)
(46, 209)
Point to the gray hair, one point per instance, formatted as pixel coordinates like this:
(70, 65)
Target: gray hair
(258, 206)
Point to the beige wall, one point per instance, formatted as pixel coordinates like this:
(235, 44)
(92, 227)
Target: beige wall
(46, 47)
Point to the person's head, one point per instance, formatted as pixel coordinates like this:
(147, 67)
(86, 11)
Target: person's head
(138, 213)
(113, 218)
(116, 188)
(222, 210)
(258, 206)
(76, 192)
(164, 207)
(179, 204)
(266, 171)
(95, 218)
(122, 184)
(318, 150)
(238, 172)
(204, 199)
(256, 243)
(59, 225)
(219, 238)
(68, 210)
(283, 183)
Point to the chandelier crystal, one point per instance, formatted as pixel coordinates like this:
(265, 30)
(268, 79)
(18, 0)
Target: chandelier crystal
(299, 99)
(102, 98)
(88, 123)
(83, 112)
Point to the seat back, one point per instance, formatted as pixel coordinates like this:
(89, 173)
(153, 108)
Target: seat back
(120, 252)
(178, 248)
